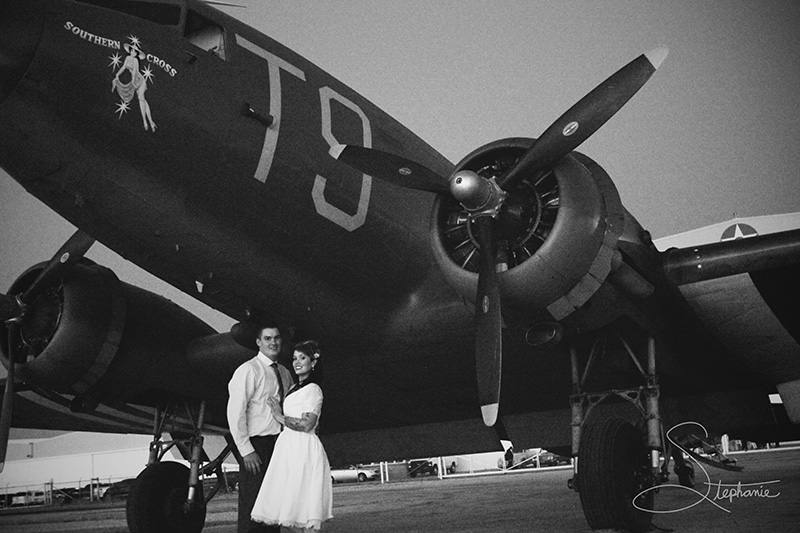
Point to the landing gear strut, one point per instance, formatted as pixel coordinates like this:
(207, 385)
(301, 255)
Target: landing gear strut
(167, 497)
(616, 468)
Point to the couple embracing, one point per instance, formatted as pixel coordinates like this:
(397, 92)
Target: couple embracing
(285, 477)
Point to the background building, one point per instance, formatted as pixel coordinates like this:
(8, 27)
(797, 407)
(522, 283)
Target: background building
(73, 460)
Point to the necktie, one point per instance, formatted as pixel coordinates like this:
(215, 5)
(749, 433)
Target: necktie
(274, 367)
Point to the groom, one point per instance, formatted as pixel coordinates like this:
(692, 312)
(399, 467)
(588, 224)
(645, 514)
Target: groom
(253, 427)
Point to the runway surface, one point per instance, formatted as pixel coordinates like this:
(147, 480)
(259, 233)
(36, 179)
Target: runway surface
(764, 497)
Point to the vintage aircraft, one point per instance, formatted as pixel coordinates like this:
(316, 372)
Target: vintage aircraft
(229, 166)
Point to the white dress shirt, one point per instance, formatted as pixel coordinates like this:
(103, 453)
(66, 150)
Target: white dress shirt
(248, 413)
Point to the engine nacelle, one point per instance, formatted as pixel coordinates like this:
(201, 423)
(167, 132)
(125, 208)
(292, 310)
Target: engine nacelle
(97, 338)
(558, 231)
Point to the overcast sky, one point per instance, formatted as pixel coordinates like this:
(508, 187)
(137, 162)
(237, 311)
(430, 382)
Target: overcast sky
(713, 134)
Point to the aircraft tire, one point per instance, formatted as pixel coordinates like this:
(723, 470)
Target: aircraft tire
(613, 468)
(156, 501)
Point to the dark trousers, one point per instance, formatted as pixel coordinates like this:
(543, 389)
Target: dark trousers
(249, 485)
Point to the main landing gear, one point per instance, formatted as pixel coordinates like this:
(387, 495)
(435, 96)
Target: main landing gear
(167, 497)
(617, 463)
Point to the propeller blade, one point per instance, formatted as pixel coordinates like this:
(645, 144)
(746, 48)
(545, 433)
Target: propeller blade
(391, 168)
(70, 253)
(8, 395)
(586, 117)
(488, 325)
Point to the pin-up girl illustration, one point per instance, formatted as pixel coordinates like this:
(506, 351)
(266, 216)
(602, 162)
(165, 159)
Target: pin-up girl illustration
(137, 85)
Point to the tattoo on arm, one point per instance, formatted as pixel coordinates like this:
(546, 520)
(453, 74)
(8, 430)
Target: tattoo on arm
(304, 423)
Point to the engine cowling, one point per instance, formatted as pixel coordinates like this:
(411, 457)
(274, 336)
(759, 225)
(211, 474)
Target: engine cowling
(558, 231)
(99, 339)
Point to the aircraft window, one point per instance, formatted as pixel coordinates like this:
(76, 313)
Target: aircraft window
(205, 34)
(165, 14)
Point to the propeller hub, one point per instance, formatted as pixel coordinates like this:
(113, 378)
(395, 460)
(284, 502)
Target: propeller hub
(471, 190)
(478, 195)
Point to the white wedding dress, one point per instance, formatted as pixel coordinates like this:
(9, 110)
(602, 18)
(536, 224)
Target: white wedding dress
(297, 490)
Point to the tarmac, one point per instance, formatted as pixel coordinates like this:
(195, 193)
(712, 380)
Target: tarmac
(765, 497)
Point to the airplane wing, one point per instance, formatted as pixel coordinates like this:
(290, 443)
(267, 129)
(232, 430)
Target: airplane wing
(40, 409)
(740, 286)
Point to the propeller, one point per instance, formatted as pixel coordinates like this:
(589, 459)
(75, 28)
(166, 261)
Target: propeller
(483, 199)
(586, 117)
(13, 310)
(391, 168)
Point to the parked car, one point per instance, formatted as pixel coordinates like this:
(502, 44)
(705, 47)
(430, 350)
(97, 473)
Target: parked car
(28, 498)
(119, 490)
(93, 491)
(422, 467)
(353, 473)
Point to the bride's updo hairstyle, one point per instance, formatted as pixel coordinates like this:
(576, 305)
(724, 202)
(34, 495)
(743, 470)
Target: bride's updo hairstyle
(311, 349)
